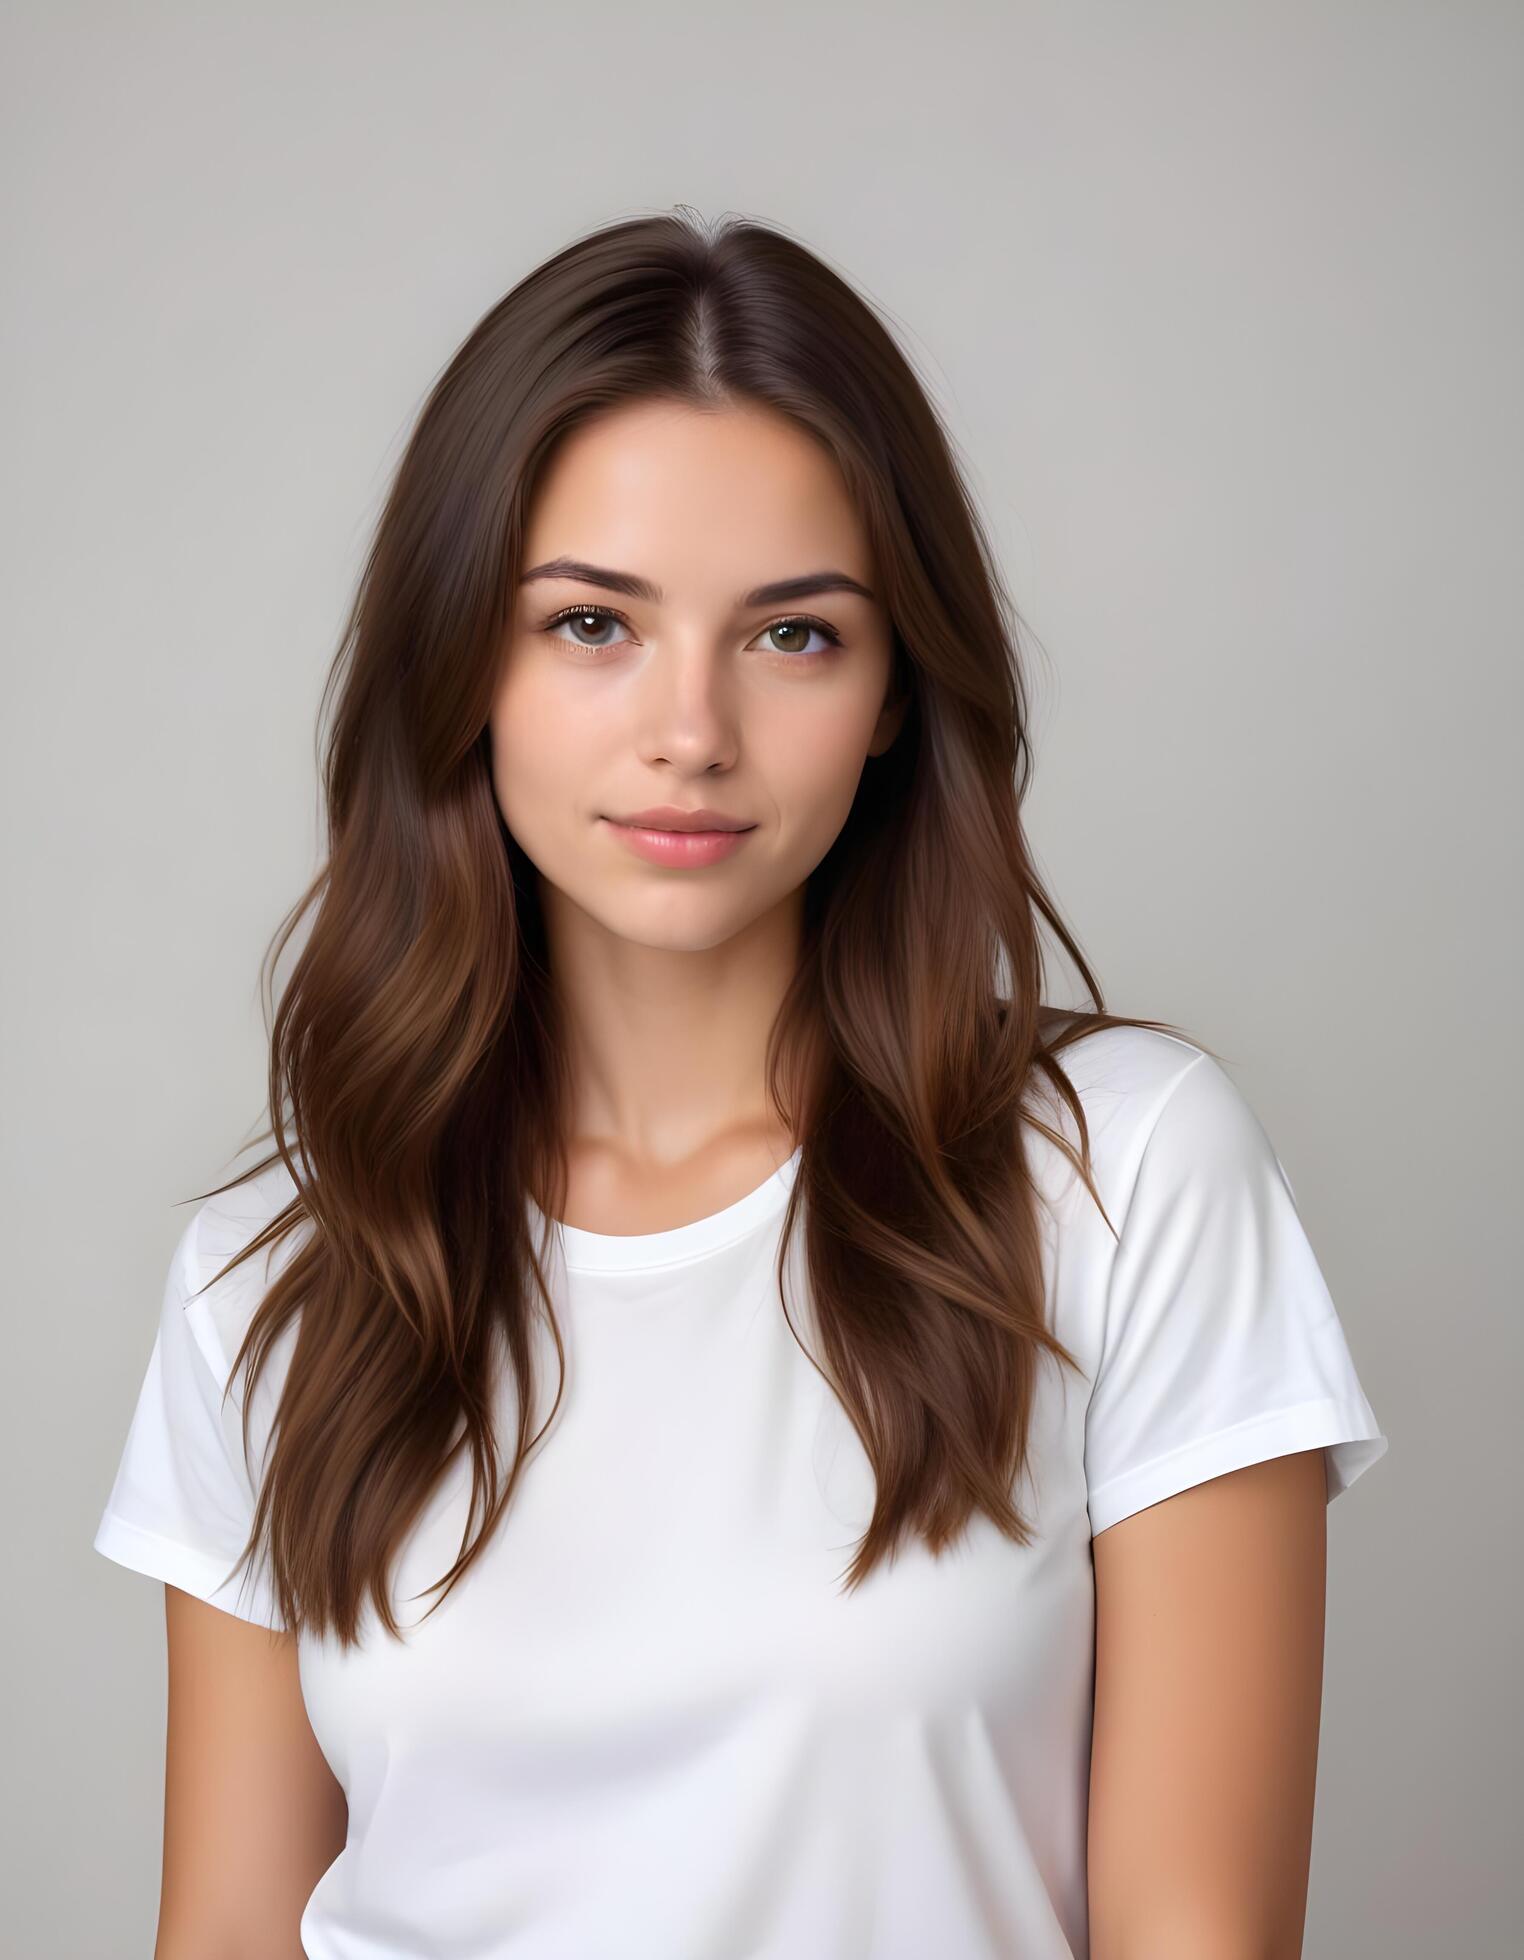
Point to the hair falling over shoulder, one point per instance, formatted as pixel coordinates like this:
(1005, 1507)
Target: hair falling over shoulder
(416, 1074)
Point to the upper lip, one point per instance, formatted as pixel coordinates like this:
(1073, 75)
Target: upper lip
(666, 816)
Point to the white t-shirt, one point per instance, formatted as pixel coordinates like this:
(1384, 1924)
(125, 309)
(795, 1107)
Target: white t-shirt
(649, 1723)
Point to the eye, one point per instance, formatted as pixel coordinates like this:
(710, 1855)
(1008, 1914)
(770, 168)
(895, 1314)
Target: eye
(806, 627)
(589, 617)
(579, 616)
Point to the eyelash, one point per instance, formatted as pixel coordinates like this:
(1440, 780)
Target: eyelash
(608, 612)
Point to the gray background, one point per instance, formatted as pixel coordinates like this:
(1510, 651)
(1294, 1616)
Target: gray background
(1223, 307)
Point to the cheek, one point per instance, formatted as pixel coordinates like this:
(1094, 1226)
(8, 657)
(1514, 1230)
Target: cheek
(816, 762)
(534, 756)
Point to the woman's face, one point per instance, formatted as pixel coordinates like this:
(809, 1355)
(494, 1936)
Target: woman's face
(696, 690)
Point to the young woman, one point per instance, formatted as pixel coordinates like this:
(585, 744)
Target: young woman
(743, 1431)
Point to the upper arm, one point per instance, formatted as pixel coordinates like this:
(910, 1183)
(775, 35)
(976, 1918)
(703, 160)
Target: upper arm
(253, 1815)
(1208, 1692)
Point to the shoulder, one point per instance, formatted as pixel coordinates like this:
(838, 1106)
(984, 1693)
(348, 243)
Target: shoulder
(1128, 1062)
(1124, 1078)
(219, 1304)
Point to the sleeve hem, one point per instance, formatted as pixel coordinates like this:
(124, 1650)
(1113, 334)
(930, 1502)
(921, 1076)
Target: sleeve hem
(187, 1567)
(1347, 1430)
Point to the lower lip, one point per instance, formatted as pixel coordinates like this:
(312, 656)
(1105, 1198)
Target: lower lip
(679, 847)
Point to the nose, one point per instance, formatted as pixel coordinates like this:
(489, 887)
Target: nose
(687, 710)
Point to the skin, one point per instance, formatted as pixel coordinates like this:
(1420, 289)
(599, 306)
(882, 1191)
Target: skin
(1208, 1689)
(672, 978)
(253, 1815)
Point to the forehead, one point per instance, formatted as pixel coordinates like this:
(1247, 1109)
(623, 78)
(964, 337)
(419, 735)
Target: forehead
(695, 497)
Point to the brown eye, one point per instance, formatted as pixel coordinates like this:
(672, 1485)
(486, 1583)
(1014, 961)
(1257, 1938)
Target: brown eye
(580, 617)
(787, 635)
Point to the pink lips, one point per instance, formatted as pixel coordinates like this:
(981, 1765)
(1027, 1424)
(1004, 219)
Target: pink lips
(679, 848)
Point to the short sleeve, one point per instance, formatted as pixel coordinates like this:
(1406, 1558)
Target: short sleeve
(182, 1502)
(1221, 1346)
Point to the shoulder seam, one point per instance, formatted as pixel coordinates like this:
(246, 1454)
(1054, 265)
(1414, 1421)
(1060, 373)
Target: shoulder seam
(1137, 1178)
(193, 1248)
(1158, 1117)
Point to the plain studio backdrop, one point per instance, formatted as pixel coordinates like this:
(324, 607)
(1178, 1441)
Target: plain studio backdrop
(1222, 306)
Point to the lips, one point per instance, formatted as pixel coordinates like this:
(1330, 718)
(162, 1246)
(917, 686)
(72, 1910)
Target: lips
(680, 850)
(667, 816)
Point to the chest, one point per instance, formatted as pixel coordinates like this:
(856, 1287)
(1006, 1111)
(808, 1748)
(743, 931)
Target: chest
(672, 1566)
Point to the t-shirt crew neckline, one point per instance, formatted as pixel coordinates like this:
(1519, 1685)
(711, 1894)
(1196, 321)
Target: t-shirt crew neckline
(619, 1252)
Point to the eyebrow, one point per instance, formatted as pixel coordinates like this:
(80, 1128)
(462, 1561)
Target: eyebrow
(780, 592)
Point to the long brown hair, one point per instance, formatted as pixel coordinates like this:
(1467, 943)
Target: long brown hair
(416, 1055)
